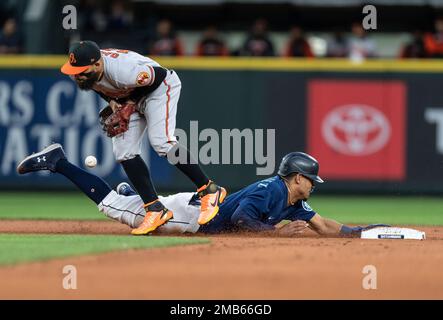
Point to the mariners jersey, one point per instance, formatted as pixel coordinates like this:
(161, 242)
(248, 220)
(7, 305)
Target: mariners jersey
(261, 205)
(125, 71)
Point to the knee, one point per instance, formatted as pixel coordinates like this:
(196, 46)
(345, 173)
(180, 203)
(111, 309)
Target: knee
(162, 146)
(124, 156)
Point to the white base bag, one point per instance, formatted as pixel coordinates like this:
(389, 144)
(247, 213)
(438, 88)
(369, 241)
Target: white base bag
(393, 233)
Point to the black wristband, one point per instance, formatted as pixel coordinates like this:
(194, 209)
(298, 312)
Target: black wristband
(347, 230)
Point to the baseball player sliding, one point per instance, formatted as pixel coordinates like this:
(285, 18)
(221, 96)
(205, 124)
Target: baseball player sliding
(142, 96)
(258, 207)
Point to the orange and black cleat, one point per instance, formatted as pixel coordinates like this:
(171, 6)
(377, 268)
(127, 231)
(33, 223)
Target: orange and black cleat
(156, 215)
(211, 196)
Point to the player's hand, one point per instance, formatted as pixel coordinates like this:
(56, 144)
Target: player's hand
(356, 231)
(114, 105)
(293, 228)
(130, 101)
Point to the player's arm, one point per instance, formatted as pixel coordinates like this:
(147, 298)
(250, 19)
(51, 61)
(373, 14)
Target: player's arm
(140, 91)
(329, 227)
(247, 218)
(251, 210)
(142, 78)
(103, 96)
(325, 226)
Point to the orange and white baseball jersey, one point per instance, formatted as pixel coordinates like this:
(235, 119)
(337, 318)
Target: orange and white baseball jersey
(124, 71)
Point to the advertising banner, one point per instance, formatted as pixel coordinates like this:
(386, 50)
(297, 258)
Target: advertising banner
(357, 128)
(38, 110)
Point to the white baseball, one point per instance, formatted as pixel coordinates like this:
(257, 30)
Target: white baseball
(91, 161)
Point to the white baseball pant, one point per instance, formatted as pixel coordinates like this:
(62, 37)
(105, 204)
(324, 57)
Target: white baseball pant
(159, 113)
(129, 210)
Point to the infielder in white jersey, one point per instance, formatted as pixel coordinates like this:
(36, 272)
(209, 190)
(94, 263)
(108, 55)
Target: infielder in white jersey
(142, 96)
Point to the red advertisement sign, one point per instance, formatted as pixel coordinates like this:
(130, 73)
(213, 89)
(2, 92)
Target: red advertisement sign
(356, 129)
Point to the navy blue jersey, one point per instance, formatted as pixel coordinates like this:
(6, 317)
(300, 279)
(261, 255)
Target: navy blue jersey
(258, 206)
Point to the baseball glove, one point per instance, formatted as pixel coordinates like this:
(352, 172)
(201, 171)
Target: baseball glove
(116, 122)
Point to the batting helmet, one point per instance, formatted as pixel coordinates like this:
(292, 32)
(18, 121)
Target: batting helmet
(299, 162)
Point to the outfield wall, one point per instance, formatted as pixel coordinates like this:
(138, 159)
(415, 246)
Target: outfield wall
(376, 126)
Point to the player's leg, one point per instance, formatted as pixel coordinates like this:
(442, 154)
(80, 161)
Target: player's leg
(186, 213)
(160, 112)
(53, 158)
(184, 205)
(127, 210)
(127, 150)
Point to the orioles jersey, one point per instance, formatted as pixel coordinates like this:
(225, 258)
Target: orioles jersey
(128, 75)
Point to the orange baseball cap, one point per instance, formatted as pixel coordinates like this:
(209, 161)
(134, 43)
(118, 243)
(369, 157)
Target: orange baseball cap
(82, 55)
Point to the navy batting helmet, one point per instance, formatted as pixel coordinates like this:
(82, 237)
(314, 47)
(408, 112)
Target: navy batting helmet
(299, 162)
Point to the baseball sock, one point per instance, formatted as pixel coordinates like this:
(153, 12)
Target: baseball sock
(190, 167)
(91, 185)
(138, 173)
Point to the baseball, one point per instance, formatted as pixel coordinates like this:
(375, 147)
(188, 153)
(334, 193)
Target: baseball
(91, 161)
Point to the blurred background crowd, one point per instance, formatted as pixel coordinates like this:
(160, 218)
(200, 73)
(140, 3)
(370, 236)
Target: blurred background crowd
(328, 28)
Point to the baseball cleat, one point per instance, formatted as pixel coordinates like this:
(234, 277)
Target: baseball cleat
(43, 160)
(156, 215)
(211, 196)
(125, 189)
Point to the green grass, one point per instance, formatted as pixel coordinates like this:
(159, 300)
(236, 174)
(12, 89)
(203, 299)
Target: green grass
(352, 209)
(16, 248)
(371, 209)
(49, 206)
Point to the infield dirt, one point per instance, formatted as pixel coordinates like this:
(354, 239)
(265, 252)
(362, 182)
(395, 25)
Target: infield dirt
(232, 267)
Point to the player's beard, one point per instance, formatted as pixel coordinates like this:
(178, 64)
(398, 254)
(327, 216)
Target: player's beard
(89, 82)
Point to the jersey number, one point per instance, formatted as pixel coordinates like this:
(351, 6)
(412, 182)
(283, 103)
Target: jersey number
(113, 53)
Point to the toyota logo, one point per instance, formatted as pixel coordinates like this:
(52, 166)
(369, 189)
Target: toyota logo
(356, 130)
